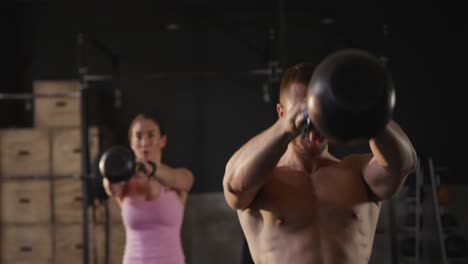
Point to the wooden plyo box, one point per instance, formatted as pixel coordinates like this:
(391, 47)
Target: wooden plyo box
(24, 152)
(56, 111)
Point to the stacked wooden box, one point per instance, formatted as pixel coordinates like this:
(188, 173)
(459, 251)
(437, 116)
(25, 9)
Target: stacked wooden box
(116, 234)
(41, 187)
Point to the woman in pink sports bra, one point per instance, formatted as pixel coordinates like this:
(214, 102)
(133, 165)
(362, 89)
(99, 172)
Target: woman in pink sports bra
(152, 206)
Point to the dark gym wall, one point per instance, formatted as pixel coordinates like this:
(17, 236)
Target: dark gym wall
(199, 78)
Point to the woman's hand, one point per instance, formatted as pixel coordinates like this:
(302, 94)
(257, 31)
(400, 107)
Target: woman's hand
(146, 167)
(113, 189)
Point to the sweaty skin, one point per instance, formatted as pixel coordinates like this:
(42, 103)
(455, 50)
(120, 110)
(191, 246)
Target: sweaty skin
(298, 204)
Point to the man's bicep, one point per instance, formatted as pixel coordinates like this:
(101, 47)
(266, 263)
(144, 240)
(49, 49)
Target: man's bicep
(379, 180)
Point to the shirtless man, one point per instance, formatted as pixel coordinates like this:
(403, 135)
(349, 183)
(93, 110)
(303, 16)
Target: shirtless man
(299, 204)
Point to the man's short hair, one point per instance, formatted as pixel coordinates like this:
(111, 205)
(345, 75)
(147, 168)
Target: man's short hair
(300, 73)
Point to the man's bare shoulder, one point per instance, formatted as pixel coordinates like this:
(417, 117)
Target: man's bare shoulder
(356, 160)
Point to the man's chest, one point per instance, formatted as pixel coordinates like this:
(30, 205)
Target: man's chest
(300, 199)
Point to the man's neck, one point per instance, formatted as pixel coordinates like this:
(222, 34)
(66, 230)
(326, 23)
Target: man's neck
(305, 161)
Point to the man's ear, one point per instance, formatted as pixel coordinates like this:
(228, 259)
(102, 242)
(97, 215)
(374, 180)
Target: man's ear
(163, 141)
(279, 110)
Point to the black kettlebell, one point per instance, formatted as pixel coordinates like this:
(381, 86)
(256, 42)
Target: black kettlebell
(118, 164)
(351, 96)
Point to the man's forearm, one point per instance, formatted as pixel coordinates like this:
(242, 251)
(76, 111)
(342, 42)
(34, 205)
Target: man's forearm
(250, 166)
(393, 150)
